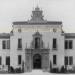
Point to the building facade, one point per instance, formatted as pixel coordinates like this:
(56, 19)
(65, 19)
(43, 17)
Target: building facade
(37, 44)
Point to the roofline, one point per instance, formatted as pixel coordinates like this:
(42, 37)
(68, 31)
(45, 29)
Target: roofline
(4, 35)
(69, 35)
(37, 23)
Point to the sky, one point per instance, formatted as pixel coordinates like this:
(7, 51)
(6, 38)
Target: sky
(21, 10)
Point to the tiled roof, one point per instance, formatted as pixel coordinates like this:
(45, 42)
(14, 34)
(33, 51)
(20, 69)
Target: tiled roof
(69, 35)
(5, 35)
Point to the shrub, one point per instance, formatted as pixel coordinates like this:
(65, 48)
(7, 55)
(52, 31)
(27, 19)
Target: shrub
(11, 69)
(18, 70)
(54, 70)
(63, 70)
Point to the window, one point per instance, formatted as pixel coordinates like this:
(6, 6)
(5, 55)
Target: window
(68, 44)
(68, 60)
(0, 60)
(8, 44)
(37, 42)
(19, 59)
(8, 60)
(19, 43)
(54, 59)
(54, 43)
(4, 44)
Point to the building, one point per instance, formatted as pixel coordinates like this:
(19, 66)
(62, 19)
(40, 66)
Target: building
(37, 44)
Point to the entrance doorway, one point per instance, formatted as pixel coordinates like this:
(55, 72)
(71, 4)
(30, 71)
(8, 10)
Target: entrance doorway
(37, 61)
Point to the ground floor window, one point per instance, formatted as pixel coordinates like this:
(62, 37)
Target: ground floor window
(68, 60)
(19, 59)
(54, 59)
(0, 60)
(8, 60)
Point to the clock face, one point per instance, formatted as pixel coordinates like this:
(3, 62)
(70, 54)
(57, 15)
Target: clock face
(54, 29)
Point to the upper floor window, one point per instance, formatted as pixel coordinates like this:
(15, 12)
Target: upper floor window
(68, 44)
(19, 43)
(6, 44)
(37, 42)
(54, 43)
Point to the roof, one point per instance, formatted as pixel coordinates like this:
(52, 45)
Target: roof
(38, 23)
(37, 19)
(69, 35)
(5, 35)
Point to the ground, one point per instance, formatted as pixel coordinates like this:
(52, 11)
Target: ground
(37, 72)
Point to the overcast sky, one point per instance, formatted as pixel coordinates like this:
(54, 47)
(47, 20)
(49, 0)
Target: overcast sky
(53, 10)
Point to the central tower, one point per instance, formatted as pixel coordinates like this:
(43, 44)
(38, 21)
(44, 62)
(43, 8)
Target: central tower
(37, 15)
(37, 56)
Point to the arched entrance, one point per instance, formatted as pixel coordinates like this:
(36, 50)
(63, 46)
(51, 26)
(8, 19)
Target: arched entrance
(37, 61)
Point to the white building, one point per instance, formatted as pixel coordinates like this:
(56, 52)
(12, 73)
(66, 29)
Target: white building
(37, 44)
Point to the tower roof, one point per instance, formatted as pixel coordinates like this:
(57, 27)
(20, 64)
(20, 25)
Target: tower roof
(37, 15)
(37, 18)
(37, 9)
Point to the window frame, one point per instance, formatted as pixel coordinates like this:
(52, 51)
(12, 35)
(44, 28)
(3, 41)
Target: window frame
(68, 60)
(68, 44)
(7, 60)
(0, 60)
(19, 43)
(19, 59)
(54, 59)
(54, 44)
(4, 44)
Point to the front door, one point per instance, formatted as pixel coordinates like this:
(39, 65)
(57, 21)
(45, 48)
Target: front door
(37, 61)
